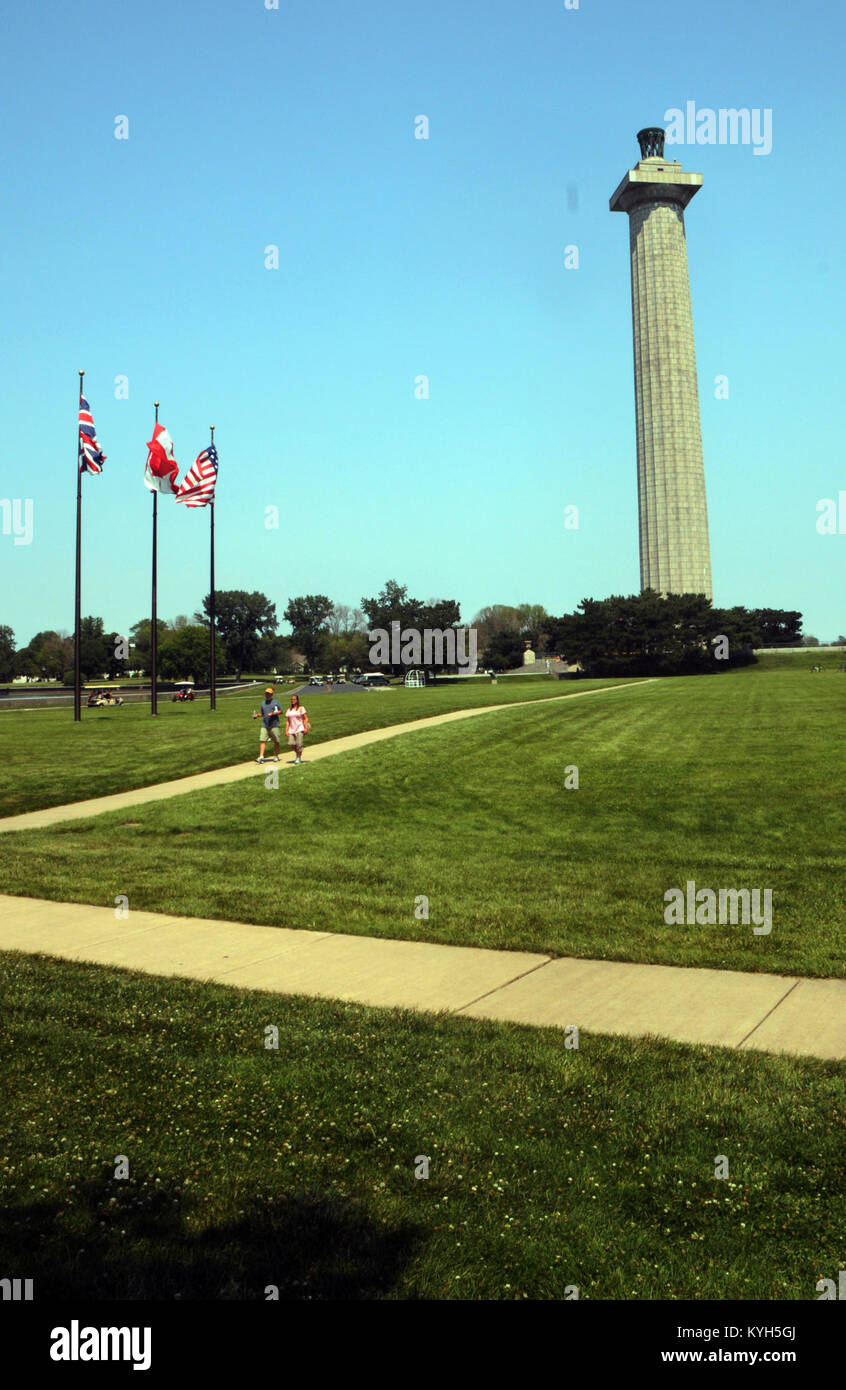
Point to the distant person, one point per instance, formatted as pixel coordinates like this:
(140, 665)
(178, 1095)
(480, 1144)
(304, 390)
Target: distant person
(269, 715)
(296, 726)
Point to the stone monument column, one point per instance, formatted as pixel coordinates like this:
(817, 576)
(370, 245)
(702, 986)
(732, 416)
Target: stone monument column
(674, 548)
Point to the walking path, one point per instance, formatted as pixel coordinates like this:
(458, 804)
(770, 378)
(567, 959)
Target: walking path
(770, 1013)
(160, 791)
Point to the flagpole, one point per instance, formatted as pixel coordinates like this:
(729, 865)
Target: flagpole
(212, 671)
(77, 681)
(154, 627)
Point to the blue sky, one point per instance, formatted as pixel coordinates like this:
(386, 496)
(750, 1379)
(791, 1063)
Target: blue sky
(399, 257)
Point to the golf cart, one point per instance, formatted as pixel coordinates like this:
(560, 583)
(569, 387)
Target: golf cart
(98, 698)
(184, 691)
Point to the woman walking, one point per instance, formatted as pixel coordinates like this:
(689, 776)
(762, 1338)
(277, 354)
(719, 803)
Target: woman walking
(296, 726)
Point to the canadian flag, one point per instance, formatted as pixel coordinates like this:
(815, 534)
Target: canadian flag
(162, 469)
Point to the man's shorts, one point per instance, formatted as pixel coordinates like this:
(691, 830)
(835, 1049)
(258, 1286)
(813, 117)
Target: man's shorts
(270, 733)
(296, 741)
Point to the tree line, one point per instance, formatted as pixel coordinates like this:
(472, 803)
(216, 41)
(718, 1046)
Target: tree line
(641, 633)
(676, 634)
(247, 639)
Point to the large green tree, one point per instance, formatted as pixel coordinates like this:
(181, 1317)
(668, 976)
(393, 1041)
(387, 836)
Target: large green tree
(241, 619)
(94, 654)
(533, 617)
(349, 649)
(778, 627)
(393, 605)
(647, 634)
(7, 653)
(26, 664)
(307, 616)
(500, 625)
(344, 643)
(139, 639)
(47, 656)
(504, 651)
(274, 654)
(185, 655)
(441, 613)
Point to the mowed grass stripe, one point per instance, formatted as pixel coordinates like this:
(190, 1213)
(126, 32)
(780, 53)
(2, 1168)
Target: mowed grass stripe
(726, 781)
(47, 760)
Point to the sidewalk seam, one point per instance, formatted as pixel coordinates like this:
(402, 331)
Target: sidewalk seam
(768, 1014)
(496, 989)
(310, 938)
(245, 964)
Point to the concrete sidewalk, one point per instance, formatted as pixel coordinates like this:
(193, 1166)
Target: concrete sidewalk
(218, 777)
(770, 1013)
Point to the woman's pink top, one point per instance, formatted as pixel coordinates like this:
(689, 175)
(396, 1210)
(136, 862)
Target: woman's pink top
(295, 719)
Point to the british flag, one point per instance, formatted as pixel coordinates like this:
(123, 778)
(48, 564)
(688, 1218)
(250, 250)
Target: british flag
(198, 484)
(91, 456)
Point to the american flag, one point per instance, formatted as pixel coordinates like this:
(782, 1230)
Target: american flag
(198, 484)
(91, 456)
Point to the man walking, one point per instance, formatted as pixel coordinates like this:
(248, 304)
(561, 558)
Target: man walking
(269, 715)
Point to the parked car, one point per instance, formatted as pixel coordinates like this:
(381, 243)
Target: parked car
(371, 678)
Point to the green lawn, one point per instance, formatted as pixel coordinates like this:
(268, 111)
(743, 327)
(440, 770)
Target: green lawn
(250, 1167)
(47, 760)
(733, 781)
(804, 660)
